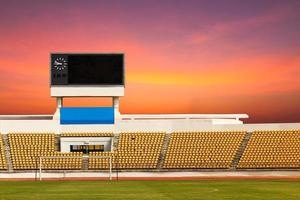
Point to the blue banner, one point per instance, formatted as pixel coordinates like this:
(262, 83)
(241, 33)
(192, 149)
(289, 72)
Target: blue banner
(87, 115)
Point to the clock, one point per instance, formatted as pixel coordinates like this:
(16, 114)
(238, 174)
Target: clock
(60, 63)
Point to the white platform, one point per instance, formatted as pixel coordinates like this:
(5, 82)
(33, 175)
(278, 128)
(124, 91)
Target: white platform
(87, 91)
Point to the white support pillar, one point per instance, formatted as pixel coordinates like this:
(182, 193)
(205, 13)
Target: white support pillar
(59, 104)
(116, 103)
(40, 166)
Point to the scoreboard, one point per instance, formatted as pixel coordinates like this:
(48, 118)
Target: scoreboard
(97, 74)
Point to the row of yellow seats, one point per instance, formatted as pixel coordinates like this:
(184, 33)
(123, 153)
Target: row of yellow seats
(87, 134)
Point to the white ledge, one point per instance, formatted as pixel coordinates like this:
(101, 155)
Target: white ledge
(139, 116)
(184, 116)
(25, 117)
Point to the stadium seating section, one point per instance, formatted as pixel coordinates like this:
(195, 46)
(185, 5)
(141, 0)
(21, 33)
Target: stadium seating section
(135, 151)
(26, 150)
(2, 155)
(272, 149)
(87, 134)
(196, 150)
(141, 150)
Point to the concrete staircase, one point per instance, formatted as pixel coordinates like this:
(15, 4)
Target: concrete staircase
(7, 153)
(85, 163)
(115, 141)
(57, 142)
(241, 150)
(164, 150)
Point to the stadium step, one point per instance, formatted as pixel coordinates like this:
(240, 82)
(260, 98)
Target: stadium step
(241, 150)
(85, 163)
(57, 142)
(163, 151)
(115, 141)
(7, 153)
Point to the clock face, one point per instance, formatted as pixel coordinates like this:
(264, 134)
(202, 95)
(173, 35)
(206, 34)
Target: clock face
(60, 63)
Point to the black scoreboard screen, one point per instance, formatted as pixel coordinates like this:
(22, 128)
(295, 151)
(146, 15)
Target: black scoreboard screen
(87, 69)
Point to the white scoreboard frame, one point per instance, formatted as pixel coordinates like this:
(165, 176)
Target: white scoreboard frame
(87, 90)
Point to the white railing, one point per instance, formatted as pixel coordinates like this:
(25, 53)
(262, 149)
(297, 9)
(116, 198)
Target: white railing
(184, 116)
(25, 117)
(138, 116)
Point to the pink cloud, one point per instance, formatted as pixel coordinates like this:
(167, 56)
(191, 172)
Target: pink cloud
(220, 29)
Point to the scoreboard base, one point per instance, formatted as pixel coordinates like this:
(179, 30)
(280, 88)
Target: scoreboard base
(87, 91)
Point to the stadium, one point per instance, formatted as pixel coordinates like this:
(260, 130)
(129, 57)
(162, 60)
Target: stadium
(89, 92)
(88, 143)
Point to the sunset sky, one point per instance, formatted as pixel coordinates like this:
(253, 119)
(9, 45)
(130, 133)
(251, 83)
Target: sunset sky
(181, 56)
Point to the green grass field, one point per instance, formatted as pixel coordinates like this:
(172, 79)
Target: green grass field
(208, 189)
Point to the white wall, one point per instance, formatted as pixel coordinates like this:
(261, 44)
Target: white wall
(65, 142)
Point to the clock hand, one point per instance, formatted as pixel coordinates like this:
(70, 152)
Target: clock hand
(57, 63)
